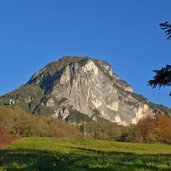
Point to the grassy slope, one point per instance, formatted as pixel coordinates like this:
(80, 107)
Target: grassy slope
(76, 154)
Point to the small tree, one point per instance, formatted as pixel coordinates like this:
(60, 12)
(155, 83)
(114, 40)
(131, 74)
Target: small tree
(155, 130)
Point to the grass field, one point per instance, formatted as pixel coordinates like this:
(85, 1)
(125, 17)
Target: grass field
(76, 155)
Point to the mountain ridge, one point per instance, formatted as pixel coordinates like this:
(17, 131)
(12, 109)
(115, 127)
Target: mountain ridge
(82, 85)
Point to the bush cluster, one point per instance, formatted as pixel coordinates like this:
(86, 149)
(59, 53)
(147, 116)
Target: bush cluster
(17, 122)
(102, 130)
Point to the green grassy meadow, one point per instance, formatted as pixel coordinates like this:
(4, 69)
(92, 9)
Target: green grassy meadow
(62, 154)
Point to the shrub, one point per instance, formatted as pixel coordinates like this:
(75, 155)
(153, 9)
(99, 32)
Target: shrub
(17, 122)
(102, 130)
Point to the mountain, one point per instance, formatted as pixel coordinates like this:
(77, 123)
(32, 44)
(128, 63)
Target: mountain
(75, 88)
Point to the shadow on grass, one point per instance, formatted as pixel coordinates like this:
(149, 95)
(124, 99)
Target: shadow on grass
(22, 159)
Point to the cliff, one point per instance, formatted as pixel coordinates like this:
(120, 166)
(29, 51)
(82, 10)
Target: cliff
(75, 86)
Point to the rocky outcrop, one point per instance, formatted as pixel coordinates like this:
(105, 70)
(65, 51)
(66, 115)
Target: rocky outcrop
(88, 86)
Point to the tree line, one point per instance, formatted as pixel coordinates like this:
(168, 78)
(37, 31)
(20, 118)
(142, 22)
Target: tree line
(148, 130)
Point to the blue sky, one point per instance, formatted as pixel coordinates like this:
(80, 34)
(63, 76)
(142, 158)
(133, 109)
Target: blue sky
(125, 33)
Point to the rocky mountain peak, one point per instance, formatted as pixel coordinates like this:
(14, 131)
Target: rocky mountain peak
(84, 86)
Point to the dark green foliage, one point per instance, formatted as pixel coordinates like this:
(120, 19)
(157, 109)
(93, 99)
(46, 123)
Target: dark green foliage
(162, 77)
(43, 110)
(103, 129)
(77, 117)
(167, 29)
(128, 134)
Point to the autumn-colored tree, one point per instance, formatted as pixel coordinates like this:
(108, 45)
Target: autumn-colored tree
(154, 130)
(163, 122)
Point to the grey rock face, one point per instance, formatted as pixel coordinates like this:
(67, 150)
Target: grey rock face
(90, 87)
(94, 87)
